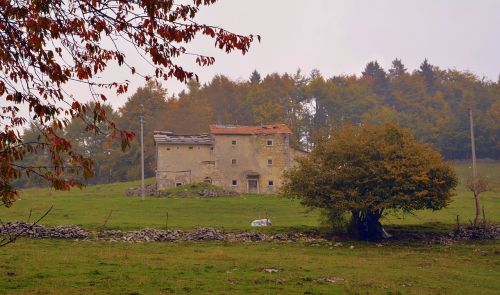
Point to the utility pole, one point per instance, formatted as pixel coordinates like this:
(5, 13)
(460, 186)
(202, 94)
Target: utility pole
(474, 169)
(142, 152)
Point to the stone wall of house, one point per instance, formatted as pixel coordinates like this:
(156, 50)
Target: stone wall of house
(180, 164)
(253, 156)
(230, 162)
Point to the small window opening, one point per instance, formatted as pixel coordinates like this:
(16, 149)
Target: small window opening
(233, 142)
(269, 161)
(168, 149)
(178, 183)
(233, 161)
(234, 182)
(190, 147)
(270, 183)
(269, 142)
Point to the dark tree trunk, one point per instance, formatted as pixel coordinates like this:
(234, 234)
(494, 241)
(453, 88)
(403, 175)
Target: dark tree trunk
(366, 226)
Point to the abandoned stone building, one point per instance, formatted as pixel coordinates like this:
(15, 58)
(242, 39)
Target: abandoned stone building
(247, 159)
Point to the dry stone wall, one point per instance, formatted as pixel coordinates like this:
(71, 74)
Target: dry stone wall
(23, 229)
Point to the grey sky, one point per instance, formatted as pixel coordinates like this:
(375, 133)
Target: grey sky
(340, 37)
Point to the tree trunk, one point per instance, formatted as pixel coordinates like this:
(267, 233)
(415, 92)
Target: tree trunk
(366, 226)
(478, 209)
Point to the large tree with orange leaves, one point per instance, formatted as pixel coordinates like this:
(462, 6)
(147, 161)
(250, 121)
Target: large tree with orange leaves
(47, 45)
(369, 171)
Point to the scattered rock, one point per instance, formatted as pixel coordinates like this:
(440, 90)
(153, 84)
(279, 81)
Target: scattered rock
(248, 237)
(270, 270)
(480, 232)
(20, 228)
(333, 280)
(201, 234)
(205, 234)
(149, 190)
(152, 191)
(207, 193)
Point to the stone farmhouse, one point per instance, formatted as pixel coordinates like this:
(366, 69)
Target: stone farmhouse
(246, 159)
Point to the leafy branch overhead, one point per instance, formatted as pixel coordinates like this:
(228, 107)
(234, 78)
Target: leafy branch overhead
(46, 46)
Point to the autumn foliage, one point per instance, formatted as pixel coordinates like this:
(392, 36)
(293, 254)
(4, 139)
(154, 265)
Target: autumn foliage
(45, 46)
(370, 171)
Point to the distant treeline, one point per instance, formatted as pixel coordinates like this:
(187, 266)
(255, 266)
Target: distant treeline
(432, 102)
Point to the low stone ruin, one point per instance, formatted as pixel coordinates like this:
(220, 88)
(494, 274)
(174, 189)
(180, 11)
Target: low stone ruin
(23, 229)
(198, 235)
(207, 193)
(151, 191)
(480, 232)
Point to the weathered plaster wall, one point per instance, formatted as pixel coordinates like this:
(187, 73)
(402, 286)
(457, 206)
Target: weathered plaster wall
(196, 161)
(252, 155)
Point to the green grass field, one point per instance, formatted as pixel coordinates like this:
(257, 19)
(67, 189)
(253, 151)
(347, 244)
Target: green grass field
(90, 207)
(31, 266)
(67, 267)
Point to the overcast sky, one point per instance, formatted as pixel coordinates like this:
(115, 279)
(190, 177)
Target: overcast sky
(340, 37)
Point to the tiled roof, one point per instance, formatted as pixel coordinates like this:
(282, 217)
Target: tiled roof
(244, 130)
(167, 137)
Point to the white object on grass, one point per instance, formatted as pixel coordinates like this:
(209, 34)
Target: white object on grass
(261, 222)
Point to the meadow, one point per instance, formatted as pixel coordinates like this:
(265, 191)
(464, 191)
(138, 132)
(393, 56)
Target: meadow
(54, 266)
(68, 267)
(91, 207)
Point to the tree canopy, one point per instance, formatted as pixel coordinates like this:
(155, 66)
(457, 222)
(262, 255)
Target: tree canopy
(45, 46)
(312, 105)
(369, 170)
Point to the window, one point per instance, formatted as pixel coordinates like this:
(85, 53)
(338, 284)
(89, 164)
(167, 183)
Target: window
(178, 184)
(212, 148)
(233, 161)
(190, 147)
(269, 161)
(168, 149)
(234, 182)
(233, 142)
(270, 183)
(269, 142)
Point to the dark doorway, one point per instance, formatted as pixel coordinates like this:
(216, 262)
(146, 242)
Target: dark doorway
(253, 186)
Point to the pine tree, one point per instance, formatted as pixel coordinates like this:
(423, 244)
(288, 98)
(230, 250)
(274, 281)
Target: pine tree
(255, 77)
(398, 69)
(427, 71)
(378, 75)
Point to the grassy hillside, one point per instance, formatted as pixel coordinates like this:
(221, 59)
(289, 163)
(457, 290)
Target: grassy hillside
(54, 266)
(89, 207)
